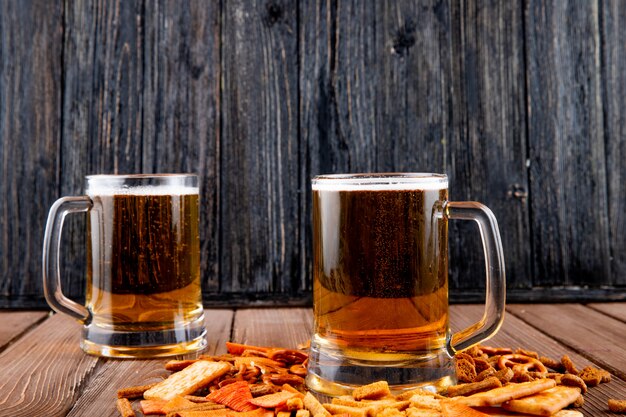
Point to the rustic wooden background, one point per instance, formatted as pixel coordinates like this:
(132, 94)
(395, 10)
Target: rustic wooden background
(520, 102)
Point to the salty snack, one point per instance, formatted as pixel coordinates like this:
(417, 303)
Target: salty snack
(254, 381)
(509, 392)
(125, 408)
(572, 380)
(473, 387)
(521, 363)
(569, 365)
(593, 376)
(373, 391)
(187, 381)
(465, 369)
(314, 406)
(545, 403)
(133, 392)
(453, 409)
(617, 406)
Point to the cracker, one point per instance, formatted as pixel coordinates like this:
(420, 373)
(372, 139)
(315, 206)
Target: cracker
(425, 401)
(455, 409)
(187, 381)
(544, 403)
(509, 392)
(390, 412)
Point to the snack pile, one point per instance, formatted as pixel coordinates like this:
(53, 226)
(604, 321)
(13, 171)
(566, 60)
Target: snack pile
(254, 381)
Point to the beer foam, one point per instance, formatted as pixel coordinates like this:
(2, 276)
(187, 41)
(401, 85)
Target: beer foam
(364, 183)
(109, 190)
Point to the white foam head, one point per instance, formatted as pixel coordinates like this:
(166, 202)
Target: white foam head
(380, 182)
(141, 190)
(141, 185)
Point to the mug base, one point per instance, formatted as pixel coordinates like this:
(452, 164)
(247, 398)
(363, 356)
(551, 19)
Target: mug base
(112, 343)
(333, 371)
(330, 389)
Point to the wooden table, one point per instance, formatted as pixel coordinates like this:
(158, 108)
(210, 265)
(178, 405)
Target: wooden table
(44, 373)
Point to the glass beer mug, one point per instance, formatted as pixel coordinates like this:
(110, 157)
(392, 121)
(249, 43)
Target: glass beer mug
(143, 296)
(380, 289)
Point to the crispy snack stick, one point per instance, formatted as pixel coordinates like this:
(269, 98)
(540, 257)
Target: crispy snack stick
(509, 392)
(133, 392)
(335, 409)
(314, 406)
(125, 408)
(473, 387)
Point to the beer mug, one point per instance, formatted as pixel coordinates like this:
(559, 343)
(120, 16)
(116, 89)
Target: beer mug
(380, 289)
(143, 296)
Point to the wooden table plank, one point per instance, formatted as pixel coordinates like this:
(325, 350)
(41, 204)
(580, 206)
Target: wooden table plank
(615, 310)
(14, 323)
(589, 332)
(98, 398)
(42, 373)
(56, 378)
(517, 333)
(284, 327)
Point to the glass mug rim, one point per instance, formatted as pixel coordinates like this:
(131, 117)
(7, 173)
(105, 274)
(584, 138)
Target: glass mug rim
(162, 184)
(380, 181)
(139, 176)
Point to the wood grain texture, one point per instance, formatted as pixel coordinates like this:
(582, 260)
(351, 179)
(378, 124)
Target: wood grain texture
(568, 188)
(98, 395)
(519, 103)
(488, 124)
(180, 106)
(57, 379)
(259, 181)
(613, 61)
(615, 310)
(102, 109)
(30, 94)
(589, 332)
(526, 334)
(15, 323)
(284, 327)
(38, 380)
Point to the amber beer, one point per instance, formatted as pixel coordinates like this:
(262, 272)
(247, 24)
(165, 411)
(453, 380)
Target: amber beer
(143, 266)
(380, 271)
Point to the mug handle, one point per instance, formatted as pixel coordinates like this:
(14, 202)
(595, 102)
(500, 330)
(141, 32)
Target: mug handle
(495, 289)
(51, 263)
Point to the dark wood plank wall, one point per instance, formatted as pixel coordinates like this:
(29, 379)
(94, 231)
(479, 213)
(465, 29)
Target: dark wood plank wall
(520, 103)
